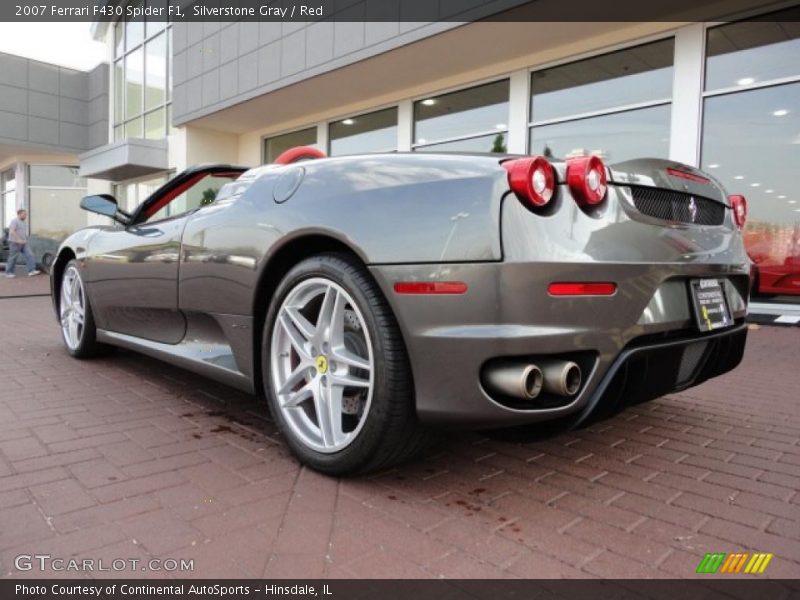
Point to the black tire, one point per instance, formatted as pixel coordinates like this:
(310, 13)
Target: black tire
(391, 432)
(88, 346)
(47, 262)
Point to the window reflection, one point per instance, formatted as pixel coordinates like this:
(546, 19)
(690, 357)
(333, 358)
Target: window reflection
(373, 132)
(275, 146)
(751, 142)
(134, 34)
(484, 143)
(134, 82)
(141, 79)
(154, 126)
(461, 114)
(8, 187)
(748, 52)
(156, 73)
(630, 76)
(615, 137)
(54, 195)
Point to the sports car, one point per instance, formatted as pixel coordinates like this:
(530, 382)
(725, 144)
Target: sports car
(373, 299)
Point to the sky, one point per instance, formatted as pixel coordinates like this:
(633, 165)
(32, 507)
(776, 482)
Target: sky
(65, 44)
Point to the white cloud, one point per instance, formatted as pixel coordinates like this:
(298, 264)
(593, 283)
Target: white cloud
(65, 44)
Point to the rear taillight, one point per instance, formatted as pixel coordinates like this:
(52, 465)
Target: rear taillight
(533, 180)
(739, 206)
(586, 177)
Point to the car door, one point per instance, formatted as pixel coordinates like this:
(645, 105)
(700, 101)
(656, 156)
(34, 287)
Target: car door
(132, 271)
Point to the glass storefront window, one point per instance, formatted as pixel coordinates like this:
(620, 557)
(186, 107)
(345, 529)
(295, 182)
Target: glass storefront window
(55, 213)
(155, 72)
(154, 127)
(134, 34)
(616, 105)
(275, 146)
(130, 195)
(751, 142)
(133, 128)
(54, 196)
(118, 40)
(631, 76)
(8, 191)
(373, 132)
(615, 137)
(119, 90)
(142, 79)
(754, 51)
(134, 81)
(153, 27)
(484, 143)
(467, 113)
(751, 136)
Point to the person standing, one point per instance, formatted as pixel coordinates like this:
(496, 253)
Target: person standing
(18, 244)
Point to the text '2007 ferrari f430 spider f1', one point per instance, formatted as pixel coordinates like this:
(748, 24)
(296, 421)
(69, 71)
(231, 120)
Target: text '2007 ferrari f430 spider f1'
(372, 298)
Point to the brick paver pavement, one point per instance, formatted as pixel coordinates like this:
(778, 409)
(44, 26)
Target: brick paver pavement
(127, 458)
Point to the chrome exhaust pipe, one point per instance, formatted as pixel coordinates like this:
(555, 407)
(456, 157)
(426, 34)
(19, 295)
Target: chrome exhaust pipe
(519, 380)
(561, 377)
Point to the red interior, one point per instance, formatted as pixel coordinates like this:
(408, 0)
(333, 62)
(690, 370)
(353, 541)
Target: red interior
(298, 153)
(179, 189)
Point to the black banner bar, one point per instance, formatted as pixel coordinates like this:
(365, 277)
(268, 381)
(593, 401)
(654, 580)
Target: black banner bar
(733, 588)
(383, 10)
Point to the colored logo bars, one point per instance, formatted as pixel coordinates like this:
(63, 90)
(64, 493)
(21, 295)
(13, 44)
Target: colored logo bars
(738, 562)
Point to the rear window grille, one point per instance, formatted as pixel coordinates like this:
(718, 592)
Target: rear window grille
(670, 205)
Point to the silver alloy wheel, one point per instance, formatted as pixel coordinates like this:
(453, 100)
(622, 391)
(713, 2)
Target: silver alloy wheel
(322, 365)
(72, 308)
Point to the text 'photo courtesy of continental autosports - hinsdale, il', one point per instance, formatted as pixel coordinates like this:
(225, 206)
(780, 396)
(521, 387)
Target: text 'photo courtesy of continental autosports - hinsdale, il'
(375, 299)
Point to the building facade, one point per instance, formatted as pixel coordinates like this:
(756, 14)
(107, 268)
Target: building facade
(724, 96)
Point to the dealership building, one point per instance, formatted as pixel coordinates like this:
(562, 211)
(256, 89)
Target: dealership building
(722, 94)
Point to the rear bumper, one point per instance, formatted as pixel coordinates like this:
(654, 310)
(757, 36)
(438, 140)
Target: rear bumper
(507, 313)
(648, 369)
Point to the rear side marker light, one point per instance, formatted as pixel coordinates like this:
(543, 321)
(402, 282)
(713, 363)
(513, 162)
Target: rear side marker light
(533, 180)
(586, 177)
(430, 287)
(689, 176)
(739, 206)
(582, 289)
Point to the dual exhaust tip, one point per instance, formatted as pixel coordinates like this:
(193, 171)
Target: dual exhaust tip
(526, 381)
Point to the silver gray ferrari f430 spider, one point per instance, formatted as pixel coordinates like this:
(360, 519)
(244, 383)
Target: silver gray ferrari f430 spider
(374, 298)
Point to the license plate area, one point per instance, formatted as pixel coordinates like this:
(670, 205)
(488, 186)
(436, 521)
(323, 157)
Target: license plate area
(710, 305)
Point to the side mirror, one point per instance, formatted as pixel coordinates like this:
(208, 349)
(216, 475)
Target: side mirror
(106, 205)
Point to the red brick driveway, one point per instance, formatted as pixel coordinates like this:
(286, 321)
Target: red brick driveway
(124, 458)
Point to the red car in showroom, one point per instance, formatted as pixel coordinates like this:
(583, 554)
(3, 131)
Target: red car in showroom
(776, 257)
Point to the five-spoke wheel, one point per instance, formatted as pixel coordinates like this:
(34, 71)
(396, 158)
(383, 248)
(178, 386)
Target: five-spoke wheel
(75, 313)
(336, 370)
(72, 308)
(322, 364)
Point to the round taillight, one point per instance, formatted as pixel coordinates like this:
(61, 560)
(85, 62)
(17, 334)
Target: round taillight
(586, 178)
(739, 206)
(533, 180)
